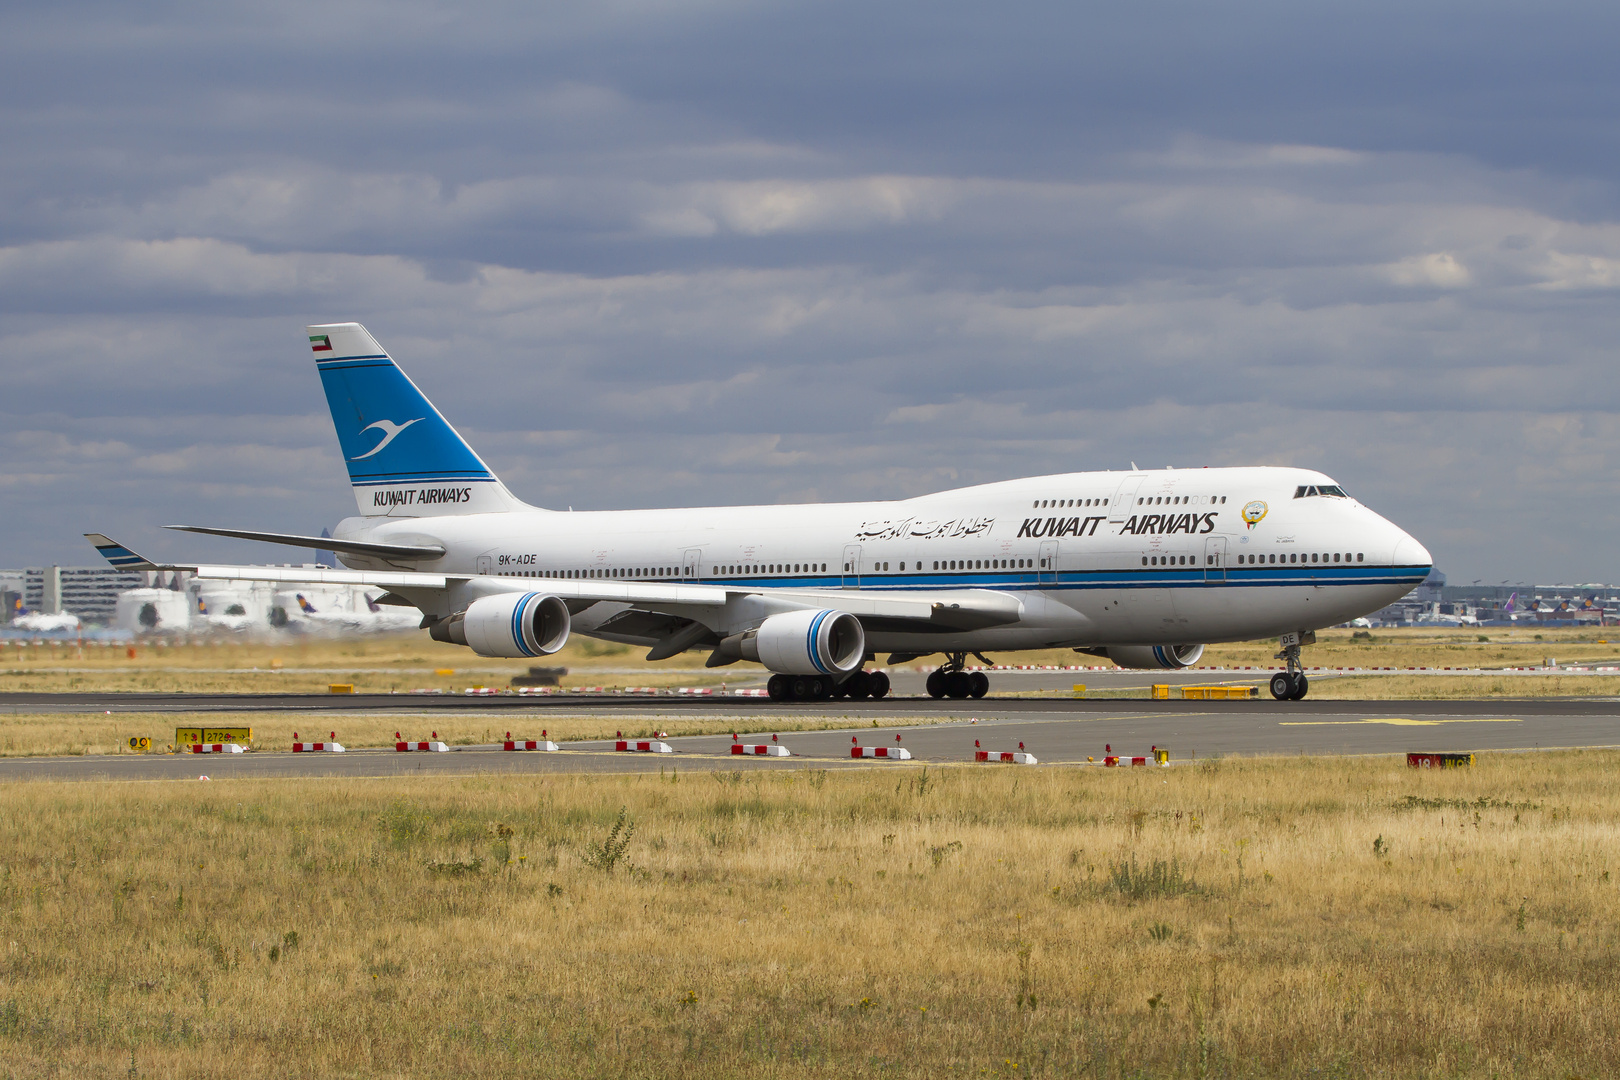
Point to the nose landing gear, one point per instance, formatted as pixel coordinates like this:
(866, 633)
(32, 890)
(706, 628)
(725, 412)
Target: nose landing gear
(1292, 685)
(950, 680)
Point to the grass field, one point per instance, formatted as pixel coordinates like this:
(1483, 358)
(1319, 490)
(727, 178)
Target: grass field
(415, 661)
(1255, 918)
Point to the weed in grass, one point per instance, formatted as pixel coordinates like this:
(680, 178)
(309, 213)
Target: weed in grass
(1159, 879)
(607, 853)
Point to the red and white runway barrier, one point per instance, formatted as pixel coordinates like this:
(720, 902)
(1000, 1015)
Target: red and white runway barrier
(216, 748)
(891, 753)
(1012, 757)
(770, 749)
(333, 747)
(542, 743)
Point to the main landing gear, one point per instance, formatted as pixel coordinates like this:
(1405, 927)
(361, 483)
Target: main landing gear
(862, 684)
(1292, 685)
(952, 681)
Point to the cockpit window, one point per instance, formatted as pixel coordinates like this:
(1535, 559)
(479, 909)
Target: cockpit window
(1304, 492)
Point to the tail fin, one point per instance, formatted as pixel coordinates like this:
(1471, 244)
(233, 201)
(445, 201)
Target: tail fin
(1511, 600)
(404, 459)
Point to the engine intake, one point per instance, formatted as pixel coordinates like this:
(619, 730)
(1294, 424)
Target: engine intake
(803, 643)
(511, 624)
(1154, 656)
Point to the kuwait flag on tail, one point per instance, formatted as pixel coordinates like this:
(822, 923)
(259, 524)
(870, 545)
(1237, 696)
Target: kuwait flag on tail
(320, 343)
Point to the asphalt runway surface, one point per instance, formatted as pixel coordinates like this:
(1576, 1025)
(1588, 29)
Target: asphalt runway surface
(1058, 731)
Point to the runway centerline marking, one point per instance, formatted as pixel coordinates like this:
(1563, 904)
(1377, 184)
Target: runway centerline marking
(1399, 722)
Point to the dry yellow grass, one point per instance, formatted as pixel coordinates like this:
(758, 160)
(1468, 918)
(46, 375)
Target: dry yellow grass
(1464, 687)
(374, 665)
(38, 734)
(1436, 647)
(411, 661)
(1257, 918)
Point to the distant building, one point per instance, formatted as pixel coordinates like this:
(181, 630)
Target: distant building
(90, 592)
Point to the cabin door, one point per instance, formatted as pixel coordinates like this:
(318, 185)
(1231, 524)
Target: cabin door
(1215, 558)
(1046, 568)
(852, 566)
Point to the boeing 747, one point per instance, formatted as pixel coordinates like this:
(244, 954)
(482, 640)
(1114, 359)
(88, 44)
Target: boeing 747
(1142, 567)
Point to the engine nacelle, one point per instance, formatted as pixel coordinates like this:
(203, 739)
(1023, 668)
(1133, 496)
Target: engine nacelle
(803, 643)
(511, 624)
(1154, 656)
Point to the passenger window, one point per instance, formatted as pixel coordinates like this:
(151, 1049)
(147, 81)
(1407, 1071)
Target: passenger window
(1360, 556)
(1144, 560)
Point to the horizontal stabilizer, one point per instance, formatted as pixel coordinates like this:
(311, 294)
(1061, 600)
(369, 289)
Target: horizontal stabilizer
(119, 555)
(323, 543)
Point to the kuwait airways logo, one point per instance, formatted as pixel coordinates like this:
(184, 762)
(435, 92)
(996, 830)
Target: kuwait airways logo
(320, 343)
(1253, 513)
(390, 432)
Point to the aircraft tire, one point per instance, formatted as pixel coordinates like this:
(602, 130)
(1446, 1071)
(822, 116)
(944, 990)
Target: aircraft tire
(981, 684)
(1282, 686)
(778, 688)
(936, 684)
(1301, 686)
(880, 684)
(860, 685)
(809, 688)
(958, 685)
(839, 689)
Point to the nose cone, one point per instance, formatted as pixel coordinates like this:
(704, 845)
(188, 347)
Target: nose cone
(1408, 552)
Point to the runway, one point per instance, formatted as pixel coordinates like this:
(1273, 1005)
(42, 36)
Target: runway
(1060, 732)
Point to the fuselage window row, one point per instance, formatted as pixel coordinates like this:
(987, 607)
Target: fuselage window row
(1251, 560)
(946, 564)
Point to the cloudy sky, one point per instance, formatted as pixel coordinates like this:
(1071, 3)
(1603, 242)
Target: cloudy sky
(650, 253)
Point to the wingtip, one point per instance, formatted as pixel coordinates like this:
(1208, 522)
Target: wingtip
(119, 556)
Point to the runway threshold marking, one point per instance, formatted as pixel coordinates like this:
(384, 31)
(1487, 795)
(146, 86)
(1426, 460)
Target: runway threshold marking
(1399, 721)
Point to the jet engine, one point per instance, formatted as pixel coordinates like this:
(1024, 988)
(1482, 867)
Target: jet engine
(1154, 656)
(511, 624)
(803, 643)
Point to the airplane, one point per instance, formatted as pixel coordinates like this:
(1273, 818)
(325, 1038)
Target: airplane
(1143, 567)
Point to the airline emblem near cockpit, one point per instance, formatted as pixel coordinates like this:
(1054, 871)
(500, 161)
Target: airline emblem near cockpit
(1254, 513)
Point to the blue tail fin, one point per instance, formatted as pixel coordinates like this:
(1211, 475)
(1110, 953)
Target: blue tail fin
(404, 459)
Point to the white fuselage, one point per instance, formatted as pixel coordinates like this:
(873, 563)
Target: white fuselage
(1095, 559)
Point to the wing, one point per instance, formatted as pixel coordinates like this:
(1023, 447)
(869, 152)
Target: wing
(659, 611)
(322, 543)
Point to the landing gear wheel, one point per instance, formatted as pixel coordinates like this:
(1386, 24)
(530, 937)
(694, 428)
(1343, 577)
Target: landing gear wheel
(1301, 685)
(839, 689)
(958, 684)
(1282, 686)
(859, 685)
(936, 684)
(980, 684)
(808, 688)
(880, 684)
(778, 688)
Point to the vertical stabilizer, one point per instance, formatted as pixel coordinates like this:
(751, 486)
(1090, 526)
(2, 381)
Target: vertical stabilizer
(404, 459)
